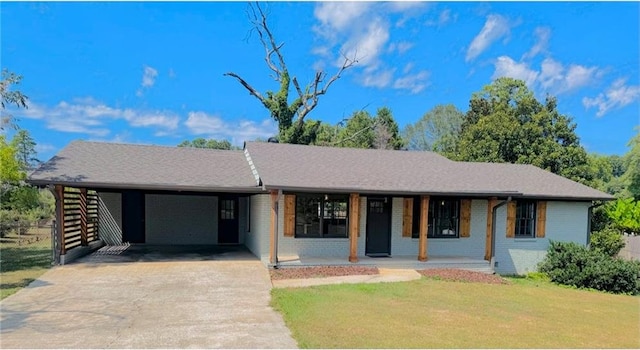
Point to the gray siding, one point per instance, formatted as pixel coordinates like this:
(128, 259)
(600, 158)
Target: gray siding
(110, 218)
(566, 222)
(180, 219)
(257, 239)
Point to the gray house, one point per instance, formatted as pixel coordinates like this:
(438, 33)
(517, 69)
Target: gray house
(305, 204)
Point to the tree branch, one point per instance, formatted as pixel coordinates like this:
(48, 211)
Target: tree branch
(250, 88)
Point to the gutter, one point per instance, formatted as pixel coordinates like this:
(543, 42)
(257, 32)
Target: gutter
(493, 231)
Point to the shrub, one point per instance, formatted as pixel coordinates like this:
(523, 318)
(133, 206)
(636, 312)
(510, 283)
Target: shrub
(574, 265)
(13, 221)
(607, 241)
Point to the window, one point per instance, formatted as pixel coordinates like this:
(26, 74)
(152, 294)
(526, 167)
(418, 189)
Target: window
(321, 216)
(444, 218)
(227, 209)
(525, 219)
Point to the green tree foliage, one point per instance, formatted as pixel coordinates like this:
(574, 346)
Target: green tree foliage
(632, 162)
(25, 148)
(10, 97)
(210, 143)
(506, 124)
(625, 214)
(436, 131)
(288, 112)
(10, 170)
(362, 130)
(607, 241)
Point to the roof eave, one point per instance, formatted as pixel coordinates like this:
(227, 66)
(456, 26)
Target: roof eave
(156, 187)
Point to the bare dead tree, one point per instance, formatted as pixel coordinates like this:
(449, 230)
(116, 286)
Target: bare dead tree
(277, 103)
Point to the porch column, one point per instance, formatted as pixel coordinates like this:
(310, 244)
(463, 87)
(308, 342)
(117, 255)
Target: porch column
(354, 226)
(273, 230)
(59, 191)
(422, 241)
(83, 217)
(488, 246)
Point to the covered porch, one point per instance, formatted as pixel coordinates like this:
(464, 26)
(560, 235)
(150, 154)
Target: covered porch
(393, 262)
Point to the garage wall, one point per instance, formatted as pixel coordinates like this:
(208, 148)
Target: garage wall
(180, 219)
(110, 216)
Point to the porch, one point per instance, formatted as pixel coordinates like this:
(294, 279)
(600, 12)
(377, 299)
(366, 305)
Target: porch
(391, 262)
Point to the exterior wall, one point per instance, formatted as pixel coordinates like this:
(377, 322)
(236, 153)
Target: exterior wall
(257, 237)
(471, 247)
(110, 216)
(181, 219)
(566, 222)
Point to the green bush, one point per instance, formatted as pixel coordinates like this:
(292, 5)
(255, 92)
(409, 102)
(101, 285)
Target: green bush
(13, 221)
(607, 241)
(571, 264)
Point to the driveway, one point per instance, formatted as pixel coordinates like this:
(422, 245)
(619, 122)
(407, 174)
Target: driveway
(147, 298)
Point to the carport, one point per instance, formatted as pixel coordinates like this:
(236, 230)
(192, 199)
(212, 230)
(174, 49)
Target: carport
(134, 194)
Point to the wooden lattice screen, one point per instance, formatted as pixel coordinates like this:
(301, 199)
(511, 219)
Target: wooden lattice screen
(78, 217)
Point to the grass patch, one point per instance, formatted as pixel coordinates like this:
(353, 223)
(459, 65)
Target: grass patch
(21, 264)
(429, 313)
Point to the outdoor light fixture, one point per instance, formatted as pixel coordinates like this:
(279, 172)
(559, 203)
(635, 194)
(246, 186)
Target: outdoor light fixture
(326, 197)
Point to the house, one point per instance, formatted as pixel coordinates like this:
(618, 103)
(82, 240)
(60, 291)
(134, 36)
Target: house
(283, 200)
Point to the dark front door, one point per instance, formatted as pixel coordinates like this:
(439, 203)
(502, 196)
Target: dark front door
(133, 217)
(228, 220)
(378, 227)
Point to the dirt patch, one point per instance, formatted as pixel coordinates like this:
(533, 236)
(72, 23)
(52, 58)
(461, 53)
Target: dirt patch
(320, 271)
(456, 275)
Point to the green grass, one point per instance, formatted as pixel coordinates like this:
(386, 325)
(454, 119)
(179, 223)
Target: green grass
(21, 264)
(430, 313)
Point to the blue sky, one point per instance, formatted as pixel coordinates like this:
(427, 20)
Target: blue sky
(153, 72)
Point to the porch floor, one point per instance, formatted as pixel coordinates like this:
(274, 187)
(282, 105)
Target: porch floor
(392, 262)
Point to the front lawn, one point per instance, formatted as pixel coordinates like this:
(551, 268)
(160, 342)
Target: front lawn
(429, 313)
(22, 261)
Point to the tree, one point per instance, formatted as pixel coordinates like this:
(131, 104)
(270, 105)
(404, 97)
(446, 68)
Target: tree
(10, 97)
(281, 109)
(25, 148)
(362, 130)
(632, 161)
(10, 171)
(436, 131)
(211, 143)
(506, 124)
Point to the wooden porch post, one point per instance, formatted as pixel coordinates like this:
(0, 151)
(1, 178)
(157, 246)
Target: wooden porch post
(83, 217)
(273, 230)
(422, 241)
(488, 244)
(354, 226)
(59, 190)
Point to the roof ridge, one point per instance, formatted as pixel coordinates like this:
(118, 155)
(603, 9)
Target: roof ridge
(152, 146)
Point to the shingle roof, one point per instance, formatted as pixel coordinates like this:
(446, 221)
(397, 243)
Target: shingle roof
(313, 168)
(111, 165)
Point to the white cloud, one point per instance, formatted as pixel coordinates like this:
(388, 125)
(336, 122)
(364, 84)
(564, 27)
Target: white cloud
(444, 18)
(553, 77)
(149, 76)
(617, 96)
(367, 44)
(377, 78)
(400, 47)
(556, 78)
(213, 126)
(507, 67)
(543, 34)
(412, 82)
(494, 28)
(361, 30)
(92, 117)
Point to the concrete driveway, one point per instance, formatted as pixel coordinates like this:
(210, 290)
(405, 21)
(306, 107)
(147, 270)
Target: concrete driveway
(146, 298)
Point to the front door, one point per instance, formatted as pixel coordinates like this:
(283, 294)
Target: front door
(228, 220)
(378, 227)
(133, 224)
